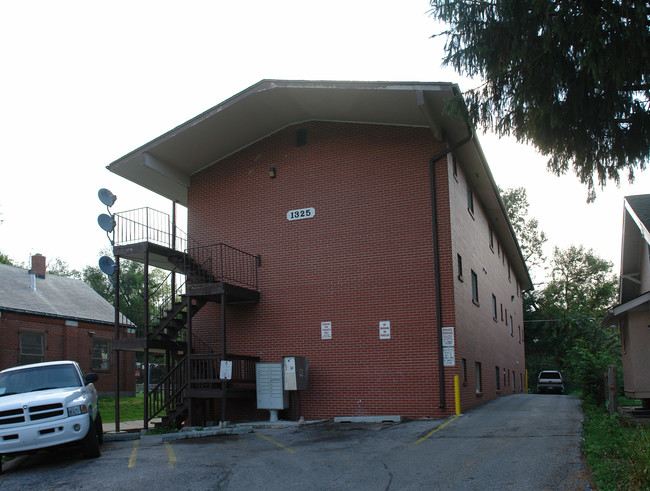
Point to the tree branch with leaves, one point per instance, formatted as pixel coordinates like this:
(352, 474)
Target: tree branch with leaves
(570, 77)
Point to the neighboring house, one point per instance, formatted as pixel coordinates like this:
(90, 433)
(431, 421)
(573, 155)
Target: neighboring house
(355, 224)
(44, 317)
(633, 312)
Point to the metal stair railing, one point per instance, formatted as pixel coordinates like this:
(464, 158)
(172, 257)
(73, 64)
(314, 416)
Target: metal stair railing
(222, 263)
(169, 394)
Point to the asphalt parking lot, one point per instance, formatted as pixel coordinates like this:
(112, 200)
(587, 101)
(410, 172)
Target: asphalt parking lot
(491, 447)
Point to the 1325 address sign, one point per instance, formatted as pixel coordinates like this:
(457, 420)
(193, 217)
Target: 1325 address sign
(301, 214)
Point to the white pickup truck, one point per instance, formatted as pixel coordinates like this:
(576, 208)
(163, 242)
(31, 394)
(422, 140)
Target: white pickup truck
(47, 404)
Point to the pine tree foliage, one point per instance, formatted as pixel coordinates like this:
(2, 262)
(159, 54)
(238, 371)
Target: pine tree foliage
(570, 77)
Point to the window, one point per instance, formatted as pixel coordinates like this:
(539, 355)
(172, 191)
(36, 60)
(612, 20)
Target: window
(460, 266)
(479, 383)
(470, 200)
(454, 166)
(498, 378)
(101, 354)
(506, 317)
(474, 288)
(32, 347)
(521, 382)
(519, 329)
(491, 238)
(511, 327)
(501, 312)
(494, 308)
(464, 371)
(509, 273)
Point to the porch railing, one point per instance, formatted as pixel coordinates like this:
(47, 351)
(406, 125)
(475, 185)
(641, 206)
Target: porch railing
(148, 225)
(203, 370)
(221, 262)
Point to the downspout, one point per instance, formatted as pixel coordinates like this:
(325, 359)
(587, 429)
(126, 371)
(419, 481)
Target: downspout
(436, 256)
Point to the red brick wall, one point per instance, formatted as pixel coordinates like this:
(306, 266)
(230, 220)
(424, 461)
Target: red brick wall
(366, 257)
(479, 337)
(64, 342)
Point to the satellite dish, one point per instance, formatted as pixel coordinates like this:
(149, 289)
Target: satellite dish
(106, 197)
(106, 222)
(107, 265)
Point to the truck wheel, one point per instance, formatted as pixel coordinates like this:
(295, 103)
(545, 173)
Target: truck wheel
(99, 428)
(90, 443)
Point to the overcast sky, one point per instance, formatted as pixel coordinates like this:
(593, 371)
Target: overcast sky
(84, 82)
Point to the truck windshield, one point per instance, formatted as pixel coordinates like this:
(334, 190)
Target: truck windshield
(38, 378)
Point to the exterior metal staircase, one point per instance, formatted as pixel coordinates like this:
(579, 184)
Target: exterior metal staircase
(217, 273)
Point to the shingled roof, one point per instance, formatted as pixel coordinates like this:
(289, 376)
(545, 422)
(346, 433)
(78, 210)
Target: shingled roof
(53, 296)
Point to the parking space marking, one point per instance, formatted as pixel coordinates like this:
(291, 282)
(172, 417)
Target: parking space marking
(134, 453)
(171, 456)
(438, 428)
(275, 443)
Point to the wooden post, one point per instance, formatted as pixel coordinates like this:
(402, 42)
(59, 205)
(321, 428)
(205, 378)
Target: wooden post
(612, 389)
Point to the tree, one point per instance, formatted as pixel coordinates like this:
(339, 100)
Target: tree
(531, 238)
(132, 294)
(563, 329)
(59, 267)
(570, 77)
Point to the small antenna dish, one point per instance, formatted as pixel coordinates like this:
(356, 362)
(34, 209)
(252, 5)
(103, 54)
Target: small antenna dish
(106, 197)
(107, 265)
(106, 222)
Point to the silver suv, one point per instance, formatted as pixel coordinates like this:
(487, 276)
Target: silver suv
(550, 381)
(47, 404)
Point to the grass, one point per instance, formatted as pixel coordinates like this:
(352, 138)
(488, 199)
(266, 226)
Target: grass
(626, 401)
(617, 450)
(131, 408)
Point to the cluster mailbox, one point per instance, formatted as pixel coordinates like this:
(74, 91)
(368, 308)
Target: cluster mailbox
(274, 380)
(295, 372)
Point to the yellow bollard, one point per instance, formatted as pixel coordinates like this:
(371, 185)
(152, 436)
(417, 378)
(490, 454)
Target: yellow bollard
(457, 393)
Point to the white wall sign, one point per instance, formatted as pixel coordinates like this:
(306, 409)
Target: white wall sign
(448, 356)
(447, 336)
(384, 330)
(301, 214)
(326, 330)
(226, 370)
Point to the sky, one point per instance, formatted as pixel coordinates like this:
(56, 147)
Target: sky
(83, 83)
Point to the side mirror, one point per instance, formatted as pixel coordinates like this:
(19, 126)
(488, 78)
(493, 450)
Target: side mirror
(91, 378)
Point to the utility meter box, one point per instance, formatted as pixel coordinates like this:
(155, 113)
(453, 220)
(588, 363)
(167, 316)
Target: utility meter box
(270, 386)
(295, 372)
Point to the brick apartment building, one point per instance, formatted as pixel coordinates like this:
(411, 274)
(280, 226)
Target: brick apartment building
(383, 252)
(44, 317)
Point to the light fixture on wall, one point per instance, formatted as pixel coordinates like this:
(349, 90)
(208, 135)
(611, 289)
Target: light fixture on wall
(272, 173)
